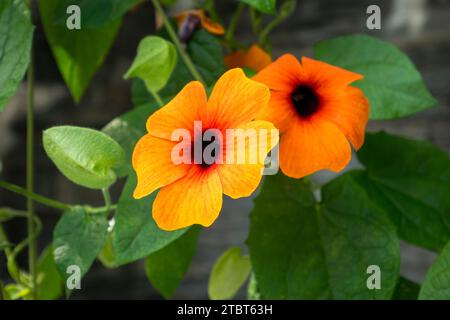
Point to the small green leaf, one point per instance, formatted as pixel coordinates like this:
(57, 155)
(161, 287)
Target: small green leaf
(127, 129)
(85, 156)
(15, 46)
(78, 53)
(406, 290)
(155, 60)
(78, 238)
(166, 267)
(437, 281)
(135, 233)
(107, 256)
(206, 54)
(95, 14)
(50, 283)
(410, 180)
(228, 274)
(391, 82)
(303, 250)
(266, 6)
(17, 291)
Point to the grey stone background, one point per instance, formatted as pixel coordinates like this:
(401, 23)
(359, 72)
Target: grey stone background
(419, 27)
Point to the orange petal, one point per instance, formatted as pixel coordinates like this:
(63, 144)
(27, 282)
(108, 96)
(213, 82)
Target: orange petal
(241, 179)
(255, 58)
(212, 26)
(279, 110)
(284, 74)
(236, 59)
(153, 165)
(207, 23)
(327, 75)
(181, 112)
(348, 109)
(310, 146)
(236, 100)
(195, 199)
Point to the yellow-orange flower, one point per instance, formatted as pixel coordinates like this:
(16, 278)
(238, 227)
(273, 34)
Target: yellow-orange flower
(254, 58)
(206, 23)
(316, 111)
(192, 193)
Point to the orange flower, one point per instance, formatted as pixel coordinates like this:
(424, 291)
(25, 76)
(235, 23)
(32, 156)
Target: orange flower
(191, 193)
(254, 58)
(206, 23)
(316, 111)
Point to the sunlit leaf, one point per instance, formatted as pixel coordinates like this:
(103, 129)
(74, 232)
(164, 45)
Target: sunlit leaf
(85, 156)
(154, 62)
(229, 273)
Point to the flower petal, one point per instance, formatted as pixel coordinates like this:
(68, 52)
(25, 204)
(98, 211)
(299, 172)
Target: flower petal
(236, 100)
(284, 74)
(310, 146)
(154, 166)
(195, 199)
(326, 75)
(212, 26)
(255, 58)
(240, 180)
(349, 111)
(181, 112)
(279, 111)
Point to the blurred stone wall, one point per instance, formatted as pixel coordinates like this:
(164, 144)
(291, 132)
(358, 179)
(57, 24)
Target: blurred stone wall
(419, 27)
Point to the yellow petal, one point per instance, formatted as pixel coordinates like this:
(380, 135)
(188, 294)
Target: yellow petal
(154, 166)
(194, 199)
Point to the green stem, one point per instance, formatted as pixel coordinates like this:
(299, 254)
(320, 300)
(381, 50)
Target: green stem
(32, 250)
(231, 30)
(107, 198)
(184, 56)
(38, 198)
(12, 266)
(286, 9)
(157, 98)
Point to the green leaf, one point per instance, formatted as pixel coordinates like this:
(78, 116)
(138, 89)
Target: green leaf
(206, 54)
(77, 240)
(266, 6)
(303, 250)
(437, 281)
(127, 129)
(135, 233)
(391, 82)
(78, 53)
(15, 46)
(95, 14)
(17, 291)
(410, 180)
(85, 156)
(108, 256)
(50, 283)
(228, 274)
(166, 267)
(406, 290)
(154, 62)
